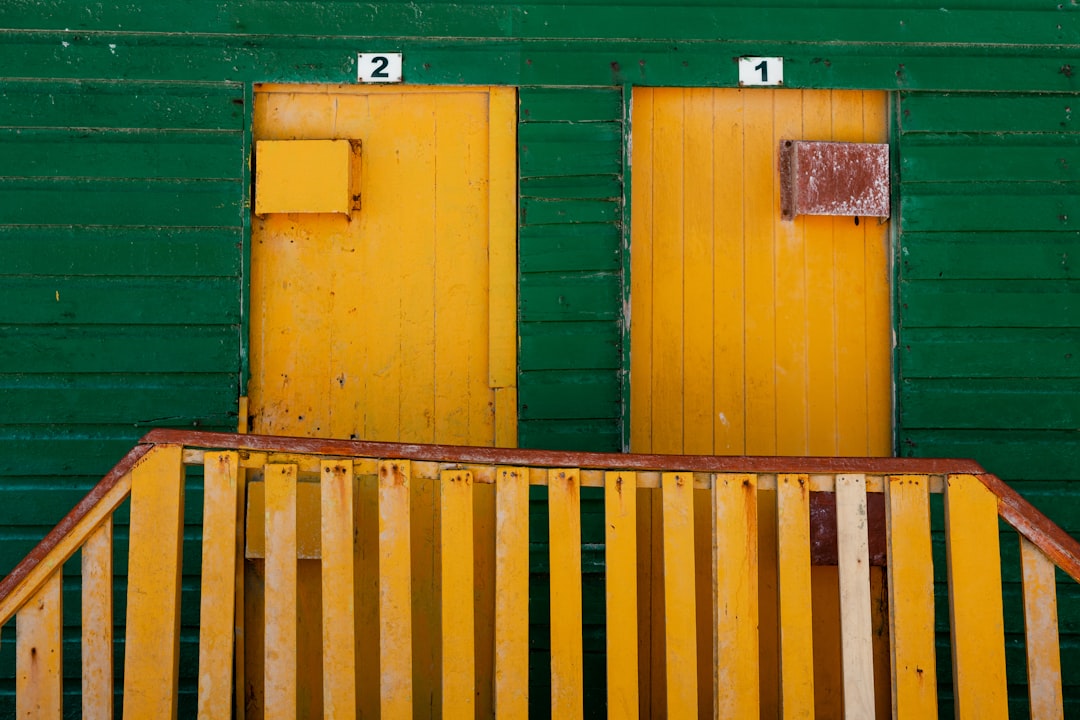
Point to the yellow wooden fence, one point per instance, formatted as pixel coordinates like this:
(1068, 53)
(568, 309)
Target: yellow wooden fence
(154, 473)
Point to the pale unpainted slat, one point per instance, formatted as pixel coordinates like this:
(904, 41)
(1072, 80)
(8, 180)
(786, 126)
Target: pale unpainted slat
(679, 596)
(456, 538)
(39, 653)
(97, 623)
(221, 474)
(1041, 631)
(620, 534)
(280, 649)
(853, 558)
(152, 644)
(512, 592)
(735, 573)
(338, 617)
(564, 523)
(796, 617)
(975, 605)
(395, 592)
(911, 596)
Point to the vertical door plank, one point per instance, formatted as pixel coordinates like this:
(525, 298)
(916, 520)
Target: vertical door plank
(512, 592)
(502, 241)
(152, 645)
(735, 573)
(395, 591)
(1041, 631)
(911, 596)
(221, 473)
(975, 606)
(620, 513)
(853, 551)
(793, 587)
(39, 641)
(338, 578)
(679, 611)
(564, 518)
(456, 538)
(97, 620)
(280, 658)
(641, 271)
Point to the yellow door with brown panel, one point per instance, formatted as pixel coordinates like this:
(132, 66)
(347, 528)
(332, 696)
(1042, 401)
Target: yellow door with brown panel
(383, 307)
(751, 334)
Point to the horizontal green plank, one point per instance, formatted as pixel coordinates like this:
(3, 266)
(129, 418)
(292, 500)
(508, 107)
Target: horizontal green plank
(569, 346)
(571, 297)
(987, 113)
(150, 251)
(990, 157)
(120, 104)
(989, 353)
(989, 255)
(1014, 455)
(64, 449)
(104, 300)
(1024, 403)
(572, 187)
(137, 398)
(582, 246)
(535, 211)
(121, 154)
(585, 435)
(994, 207)
(570, 149)
(564, 395)
(570, 104)
(986, 303)
(119, 349)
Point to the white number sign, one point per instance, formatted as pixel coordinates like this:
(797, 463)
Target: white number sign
(378, 67)
(761, 71)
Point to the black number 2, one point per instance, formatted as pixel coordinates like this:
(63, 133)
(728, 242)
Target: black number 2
(763, 66)
(380, 62)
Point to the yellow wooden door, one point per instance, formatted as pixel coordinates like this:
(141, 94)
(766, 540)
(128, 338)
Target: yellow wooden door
(749, 334)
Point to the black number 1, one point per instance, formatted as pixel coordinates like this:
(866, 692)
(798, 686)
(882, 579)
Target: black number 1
(763, 66)
(380, 62)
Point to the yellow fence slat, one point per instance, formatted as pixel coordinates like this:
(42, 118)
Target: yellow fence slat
(512, 592)
(39, 653)
(564, 522)
(152, 645)
(1041, 630)
(456, 538)
(395, 591)
(679, 606)
(279, 664)
(97, 623)
(620, 513)
(911, 597)
(975, 606)
(221, 473)
(338, 617)
(735, 572)
(853, 553)
(796, 619)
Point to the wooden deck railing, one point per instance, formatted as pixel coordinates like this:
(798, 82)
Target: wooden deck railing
(295, 475)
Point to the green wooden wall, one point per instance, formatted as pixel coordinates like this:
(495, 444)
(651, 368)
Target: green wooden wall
(124, 215)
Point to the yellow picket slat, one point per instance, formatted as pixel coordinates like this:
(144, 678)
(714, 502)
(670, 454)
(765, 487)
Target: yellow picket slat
(1041, 631)
(679, 614)
(279, 669)
(39, 653)
(796, 618)
(456, 538)
(735, 574)
(911, 597)
(853, 553)
(564, 523)
(512, 592)
(338, 619)
(97, 623)
(152, 645)
(216, 623)
(975, 606)
(620, 527)
(395, 592)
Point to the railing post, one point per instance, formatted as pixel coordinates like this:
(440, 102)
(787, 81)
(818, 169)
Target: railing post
(512, 592)
(395, 591)
(97, 621)
(796, 617)
(1041, 632)
(564, 518)
(679, 606)
(620, 503)
(39, 653)
(338, 592)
